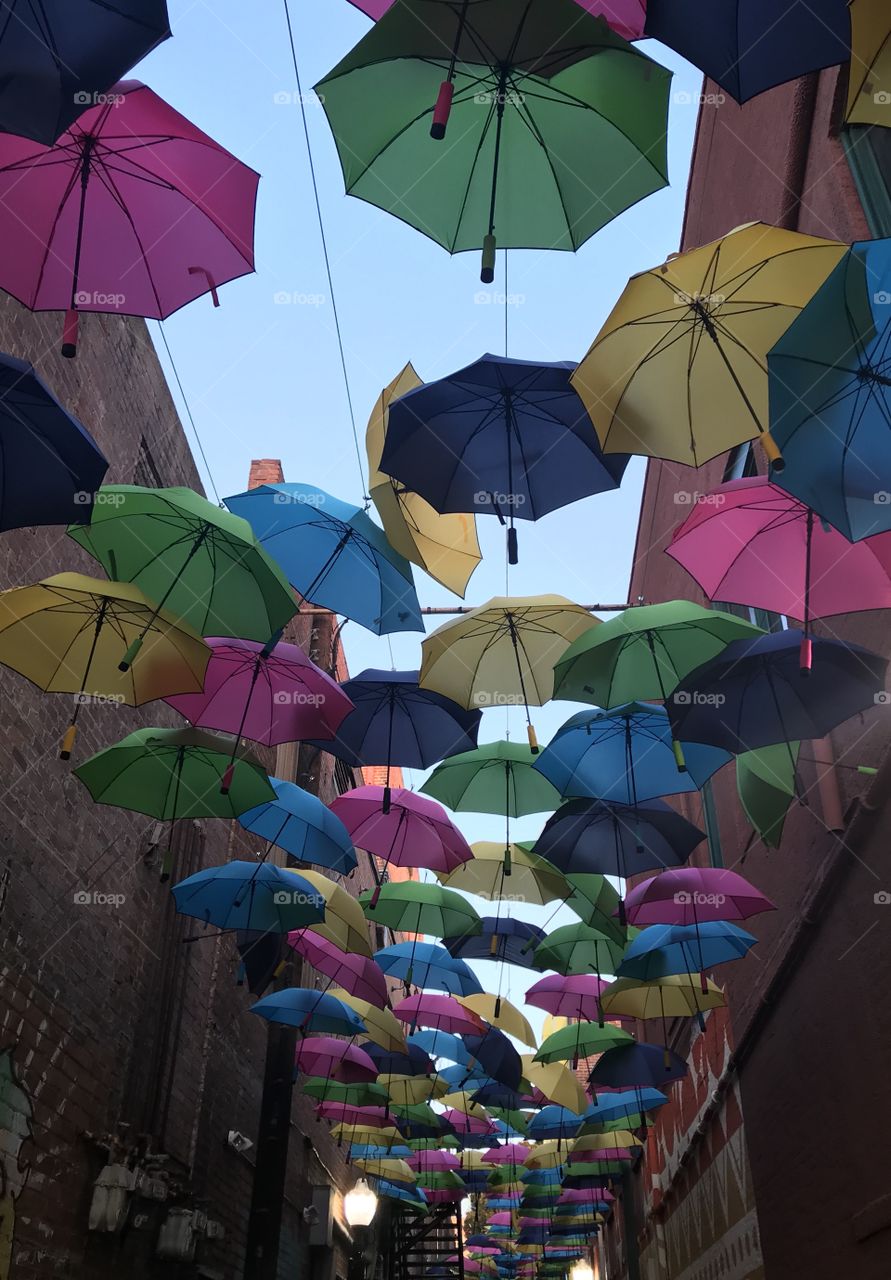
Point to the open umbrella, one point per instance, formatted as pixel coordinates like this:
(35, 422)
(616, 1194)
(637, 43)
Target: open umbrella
(568, 996)
(344, 924)
(442, 1012)
(298, 822)
(673, 995)
(199, 562)
(249, 895)
(424, 964)
(357, 974)
(749, 46)
(333, 554)
(311, 1011)
(626, 17)
(695, 332)
(579, 949)
(505, 437)
(500, 1013)
(555, 1082)
(412, 832)
(530, 879)
(581, 1040)
(506, 940)
(381, 1026)
(134, 211)
(869, 79)
(412, 907)
(497, 777)
(596, 903)
(692, 895)
(337, 1059)
(765, 783)
(638, 1065)
(591, 837)
(445, 546)
(664, 949)
(51, 466)
(542, 97)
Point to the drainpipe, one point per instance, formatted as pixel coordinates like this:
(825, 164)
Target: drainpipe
(630, 1227)
(803, 112)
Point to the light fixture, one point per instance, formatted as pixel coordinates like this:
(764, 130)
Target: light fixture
(581, 1271)
(360, 1206)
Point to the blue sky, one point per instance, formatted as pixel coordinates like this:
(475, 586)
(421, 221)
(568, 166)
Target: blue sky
(263, 377)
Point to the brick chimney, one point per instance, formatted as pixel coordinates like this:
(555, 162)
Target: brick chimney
(265, 471)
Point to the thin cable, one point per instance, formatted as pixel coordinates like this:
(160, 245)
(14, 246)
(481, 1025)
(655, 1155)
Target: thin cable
(188, 410)
(324, 239)
(506, 297)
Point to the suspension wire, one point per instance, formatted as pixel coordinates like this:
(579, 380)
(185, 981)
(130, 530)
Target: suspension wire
(188, 410)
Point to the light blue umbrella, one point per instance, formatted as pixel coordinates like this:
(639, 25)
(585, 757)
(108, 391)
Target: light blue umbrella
(625, 1102)
(664, 949)
(625, 756)
(333, 554)
(554, 1122)
(426, 965)
(252, 896)
(303, 826)
(440, 1044)
(311, 1011)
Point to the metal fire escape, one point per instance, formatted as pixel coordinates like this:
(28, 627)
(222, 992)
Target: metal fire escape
(416, 1246)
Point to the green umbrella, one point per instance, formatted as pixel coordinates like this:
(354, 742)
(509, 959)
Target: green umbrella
(558, 124)
(581, 1040)
(412, 907)
(441, 1180)
(765, 780)
(446, 1141)
(595, 901)
(516, 1119)
(495, 778)
(355, 1095)
(201, 563)
(644, 653)
(176, 773)
(577, 948)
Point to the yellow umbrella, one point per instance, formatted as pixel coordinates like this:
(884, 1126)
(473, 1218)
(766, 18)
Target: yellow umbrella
(67, 633)
(366, 1133)
(382, 1027)
(461, 1101)
(503, 653)
(546, 1155)
(410, 1090)
(393, 1170)
(531, 878)
(445, 546)
(676, 996)
(869, 81)
(614, 1140)
(679, 369)
(344, 925)
(499, 1012)
(556, 1082)
(553, 1023)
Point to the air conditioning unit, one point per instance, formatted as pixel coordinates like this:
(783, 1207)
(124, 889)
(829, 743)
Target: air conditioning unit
(150, 1188)
(111, 1191)
(214, 1230)
(178, 1236)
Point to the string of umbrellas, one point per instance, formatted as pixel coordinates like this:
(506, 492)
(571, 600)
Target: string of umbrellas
(421, 1071)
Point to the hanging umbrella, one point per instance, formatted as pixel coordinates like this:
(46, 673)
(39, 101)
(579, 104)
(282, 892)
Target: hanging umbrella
(310, 1011)
(412, 832)
(638, 1065)
(336, 1059)
(439, 1044)
(869, 79)
(396, 722)
(757, 694)
(381, 1026)
(695, 332)
(644, 652)
(765, 783)
(407, 1093)
(134, 211)
(507, 941)
(347, 1115)
(554, 1122)
(515, 83)
(665, 949)
(345, 926)
(626, 17)
(411, 907)
(555, 1082)
(331, 1091)
(199, 562)
(427, 965)
(357, 974)
(572, 996)
(622, 1105)
(497, 777)
(749, 46)
(674, 995)
(830, 395)
(445, 546)
(298, 822)
(249, 895)
(692, 895)
(578, 949)
(412, 1061)
(66, 635)
(495, 1054)
(589, 837)
(581, 1040)
(333, 554)
(52, 467)
(596, 903)
(503, 653)
(506, 437)
(442, 1012)
(499, 1012)
(754, 544)
(626, 756)
(530, 879)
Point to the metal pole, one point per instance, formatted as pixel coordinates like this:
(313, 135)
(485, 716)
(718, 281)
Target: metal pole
(443, 610)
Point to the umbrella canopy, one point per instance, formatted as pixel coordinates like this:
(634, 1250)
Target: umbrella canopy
(695, 332)
(298, 822)
(333, 554)
(268, 694)
(556, 1083)
(310, 1011)
(830, 395)
(357, 1095)
(626, 17)
(412, 831)
(495, 1053)
(345, 926)
(201, 563)
(579, 949)
(411, 907)
(692, 895)
(355, 973)
(554, 1122)
(535, 70)
(498, 1012)
(51, 466)
(445, 546)
(427, 965)
(639, 1065)
(644, 652)
(675, 995)
(323, 1055)
(249, 895)
(411, 1061)
(117, 214)
(505, 437)
(498, 777)
(581, 1040)
(765, 783)
(572, 996)
(596, 903)
(442, 1012)
(530, 879)
(626, 756)
(665, 949)
(380, 1025)
(620, 1105)
(440, 1044)
(590, 837)
(749, 46)
(505, 940)
(53, 60)
(761, 692)
(869, 80)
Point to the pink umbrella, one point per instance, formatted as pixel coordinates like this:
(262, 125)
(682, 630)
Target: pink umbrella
(338, 1059)
(585, 1195)
(269, 695)
(501, 1220)
(434, 1161)
(463, 1123)
(576, 996)
(447, 1195)
(444, 1013)
(343, 1113)
(692, 895)
(748, 542)
(510, 1153)
(134, 211)
(416, 832)
(624, 16)
(358, 975)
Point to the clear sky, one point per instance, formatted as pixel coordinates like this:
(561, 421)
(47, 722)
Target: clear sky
(263, 377)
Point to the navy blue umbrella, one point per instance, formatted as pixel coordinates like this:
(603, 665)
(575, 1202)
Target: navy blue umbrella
(396, 722)
(496, 1055)
(587, 837)
(57, 57)
(511, 941)
(748, 46)
(50, 467)
(554, 1122)
(498, 1095)
(507, 437)
(755, 694)
(414, 1063)
(638, 1065)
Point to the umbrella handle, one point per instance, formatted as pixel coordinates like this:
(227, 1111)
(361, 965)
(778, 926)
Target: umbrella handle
(442, 110)
(487, 271)
(127, 660)
(771, 449)
(679, 756)
(806, 655)
(385, 807)
(202, 271)
(69, 334)
(68, 742)
(533, 740)
(227, 778)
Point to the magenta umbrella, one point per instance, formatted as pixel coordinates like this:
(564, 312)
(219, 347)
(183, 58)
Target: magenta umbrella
(463, 1123)
(443, 1013)
(133, 211)
(500, 1219)
(692, 895)
(584, 1195)
(343, 1113)
(337, 1059)
(510, 1153)
(576, 996)
(434, 1161)
(624, 16)
(358, 975)
(415, 832)
(749, 542)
